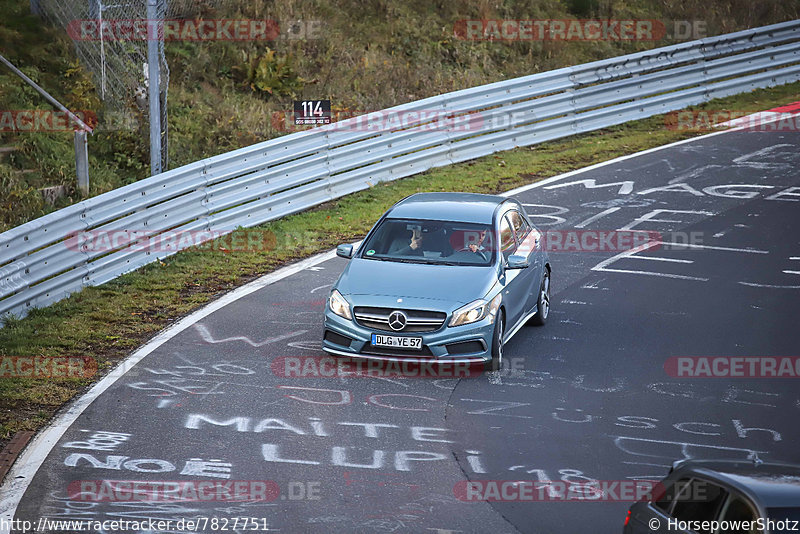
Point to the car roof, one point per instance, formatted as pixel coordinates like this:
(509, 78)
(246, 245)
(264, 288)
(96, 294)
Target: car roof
(458, 207)
(771, 484)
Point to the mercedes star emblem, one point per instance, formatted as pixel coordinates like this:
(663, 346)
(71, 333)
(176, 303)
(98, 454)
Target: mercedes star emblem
(397, 320)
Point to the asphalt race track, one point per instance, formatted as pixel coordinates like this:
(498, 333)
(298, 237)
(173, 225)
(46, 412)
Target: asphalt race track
(586, 397)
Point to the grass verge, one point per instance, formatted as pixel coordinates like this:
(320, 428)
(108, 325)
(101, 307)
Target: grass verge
(106, 323)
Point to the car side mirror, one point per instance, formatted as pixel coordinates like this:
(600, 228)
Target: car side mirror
(344, 251)
(517, 262)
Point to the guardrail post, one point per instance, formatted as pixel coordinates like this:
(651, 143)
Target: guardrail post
(82, 161)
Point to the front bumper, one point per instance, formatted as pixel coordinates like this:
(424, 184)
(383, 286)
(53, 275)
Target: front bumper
(466, 343)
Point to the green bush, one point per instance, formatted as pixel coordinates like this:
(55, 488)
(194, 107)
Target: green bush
(274, 75)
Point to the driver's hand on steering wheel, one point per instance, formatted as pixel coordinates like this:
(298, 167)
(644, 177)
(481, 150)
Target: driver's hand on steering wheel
(473, 247)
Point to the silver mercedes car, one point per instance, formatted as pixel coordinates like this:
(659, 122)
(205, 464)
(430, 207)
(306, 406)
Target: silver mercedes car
(444, 277)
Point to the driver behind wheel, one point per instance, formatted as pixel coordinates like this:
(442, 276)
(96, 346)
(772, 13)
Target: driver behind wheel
(478, 246)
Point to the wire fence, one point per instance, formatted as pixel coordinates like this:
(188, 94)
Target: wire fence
(119, 67)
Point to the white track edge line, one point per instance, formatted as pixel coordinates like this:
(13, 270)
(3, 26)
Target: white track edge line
(31, 459)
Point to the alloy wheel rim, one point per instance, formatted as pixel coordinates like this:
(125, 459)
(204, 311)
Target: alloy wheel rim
(545, 297)
(500, 343)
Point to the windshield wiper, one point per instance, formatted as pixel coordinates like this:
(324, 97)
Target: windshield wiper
(421, 261)
(409, 260)
(393, 258)
(427, 261)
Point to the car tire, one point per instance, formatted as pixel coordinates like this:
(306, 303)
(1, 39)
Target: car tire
(496, 363)
(543, 302)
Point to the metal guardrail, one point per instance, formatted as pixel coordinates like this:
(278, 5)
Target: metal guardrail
(262, 182)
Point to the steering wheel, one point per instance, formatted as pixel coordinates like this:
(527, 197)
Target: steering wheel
(478, 251)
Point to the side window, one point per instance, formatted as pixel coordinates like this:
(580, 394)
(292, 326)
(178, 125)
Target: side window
(700, 500)
(519, 224)
(507, 242)
(664, 501)
(739, 510)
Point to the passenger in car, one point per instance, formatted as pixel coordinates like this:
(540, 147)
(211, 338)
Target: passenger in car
(414, 247)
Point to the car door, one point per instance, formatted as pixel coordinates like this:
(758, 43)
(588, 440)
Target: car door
(515, 292)
(528, 247)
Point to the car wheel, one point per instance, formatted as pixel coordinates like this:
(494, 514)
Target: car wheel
(543, 302)
(496, 363)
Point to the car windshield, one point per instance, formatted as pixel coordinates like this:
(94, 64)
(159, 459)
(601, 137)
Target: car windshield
(435, 242)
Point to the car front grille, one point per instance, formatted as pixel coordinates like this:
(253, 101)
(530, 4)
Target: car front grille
(425, 352)
(418, 320)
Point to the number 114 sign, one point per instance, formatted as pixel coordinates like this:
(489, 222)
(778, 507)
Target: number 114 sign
(312, 112)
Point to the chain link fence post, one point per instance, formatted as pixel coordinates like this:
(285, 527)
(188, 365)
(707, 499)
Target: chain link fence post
(122, 65)
(154, 39)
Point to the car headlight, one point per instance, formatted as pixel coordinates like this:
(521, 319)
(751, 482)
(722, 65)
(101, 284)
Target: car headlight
(339, 306)
(476, 311)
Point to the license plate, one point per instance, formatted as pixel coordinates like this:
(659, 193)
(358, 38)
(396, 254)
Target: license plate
(397, 342)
